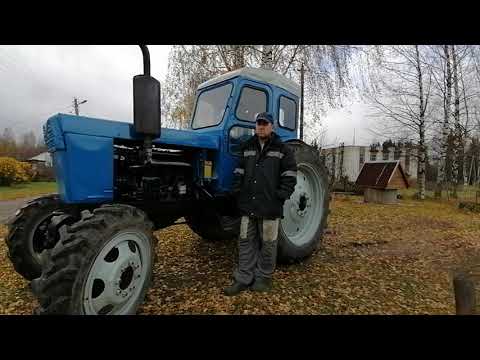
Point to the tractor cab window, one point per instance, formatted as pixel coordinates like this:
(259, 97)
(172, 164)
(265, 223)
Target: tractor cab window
(287, 113)
(237, 136)
(211, 106)
(252, 102)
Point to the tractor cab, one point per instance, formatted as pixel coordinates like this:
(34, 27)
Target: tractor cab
(232, 100)
(226, 107)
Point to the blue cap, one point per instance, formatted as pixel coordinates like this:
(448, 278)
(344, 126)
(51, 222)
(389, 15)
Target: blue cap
(265, 116)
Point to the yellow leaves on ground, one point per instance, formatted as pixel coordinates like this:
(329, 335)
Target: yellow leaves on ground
(375, 259)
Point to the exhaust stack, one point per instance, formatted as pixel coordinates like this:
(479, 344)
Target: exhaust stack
(146, 105)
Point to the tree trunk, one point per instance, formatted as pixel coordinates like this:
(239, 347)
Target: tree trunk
(457, 135)
(441, 176)
(477, 176)
(238, 52)
(267, 57)
(470, 172)
(465, 130)
(465, 296)
(421, 148)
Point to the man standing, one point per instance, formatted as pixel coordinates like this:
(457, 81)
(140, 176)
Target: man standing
(265, 177)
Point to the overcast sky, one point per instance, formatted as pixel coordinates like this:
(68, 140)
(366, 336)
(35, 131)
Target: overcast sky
(38, 81)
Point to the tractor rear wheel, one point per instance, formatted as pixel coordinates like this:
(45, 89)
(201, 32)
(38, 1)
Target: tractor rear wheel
(27, 234)
(101, 264)
(214, 227)
(305, 212)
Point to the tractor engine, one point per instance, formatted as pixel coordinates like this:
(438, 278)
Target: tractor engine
(167, 177)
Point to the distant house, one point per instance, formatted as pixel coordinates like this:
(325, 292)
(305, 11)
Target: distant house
(43, 167)
(44, 159)
(381, 181)
(347, 160)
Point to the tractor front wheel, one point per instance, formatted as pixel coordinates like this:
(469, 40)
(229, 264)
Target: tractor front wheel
(101, 264)
(27, 234)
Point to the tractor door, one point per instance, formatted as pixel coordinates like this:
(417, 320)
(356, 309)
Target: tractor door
(285, 113)
(252, 99)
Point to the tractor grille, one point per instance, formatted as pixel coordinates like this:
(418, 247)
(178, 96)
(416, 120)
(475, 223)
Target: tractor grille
(48, 137)
(53, 136)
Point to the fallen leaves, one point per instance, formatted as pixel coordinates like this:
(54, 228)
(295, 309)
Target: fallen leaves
(375, 259)
(15, 295)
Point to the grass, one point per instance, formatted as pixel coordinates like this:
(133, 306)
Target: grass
(26, 190)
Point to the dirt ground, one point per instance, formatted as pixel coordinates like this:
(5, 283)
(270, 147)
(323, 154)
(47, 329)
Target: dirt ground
(8, 208)
(375, 259)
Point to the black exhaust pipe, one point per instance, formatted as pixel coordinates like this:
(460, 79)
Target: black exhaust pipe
(146, 105)
(146, 60)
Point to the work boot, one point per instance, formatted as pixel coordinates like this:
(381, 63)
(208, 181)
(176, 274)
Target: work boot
(235, 289)
(262, 285)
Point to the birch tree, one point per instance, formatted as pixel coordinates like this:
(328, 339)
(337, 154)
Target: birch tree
(401, 102)
(326, 77)
(465, 95)
(440, 62)
(456, 116)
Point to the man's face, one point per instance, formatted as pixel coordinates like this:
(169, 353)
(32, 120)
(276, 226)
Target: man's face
(263, 129)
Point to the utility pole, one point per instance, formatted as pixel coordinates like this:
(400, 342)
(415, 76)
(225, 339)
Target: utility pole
(302, 82)
(76, 104)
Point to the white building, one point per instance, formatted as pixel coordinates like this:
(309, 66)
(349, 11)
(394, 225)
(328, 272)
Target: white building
(348, 160)
(44, 158)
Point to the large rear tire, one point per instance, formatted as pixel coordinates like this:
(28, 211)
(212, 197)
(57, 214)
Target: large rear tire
(305, 212)
(26, 235)
(101, 265)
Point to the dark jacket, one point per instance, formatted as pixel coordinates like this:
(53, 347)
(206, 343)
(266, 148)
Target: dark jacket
(263, 180)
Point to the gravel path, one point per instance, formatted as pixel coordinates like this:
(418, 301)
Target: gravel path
(8, 208)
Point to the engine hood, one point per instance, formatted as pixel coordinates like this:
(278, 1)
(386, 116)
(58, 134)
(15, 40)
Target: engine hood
(61, 124)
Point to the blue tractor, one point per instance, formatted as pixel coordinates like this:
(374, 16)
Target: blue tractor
(90, 248)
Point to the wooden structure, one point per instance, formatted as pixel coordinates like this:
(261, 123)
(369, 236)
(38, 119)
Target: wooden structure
(42, 166)
(381, 181)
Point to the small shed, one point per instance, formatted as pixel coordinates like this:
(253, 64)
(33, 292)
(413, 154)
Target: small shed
(381, 181)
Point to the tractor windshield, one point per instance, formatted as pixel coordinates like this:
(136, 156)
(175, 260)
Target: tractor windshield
(211, 106)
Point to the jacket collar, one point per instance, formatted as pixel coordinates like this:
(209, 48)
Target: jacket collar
(274, 139)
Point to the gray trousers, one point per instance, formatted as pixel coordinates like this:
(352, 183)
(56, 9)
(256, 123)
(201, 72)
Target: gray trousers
(257, 249)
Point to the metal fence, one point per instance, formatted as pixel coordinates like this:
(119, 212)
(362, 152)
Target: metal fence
(467, 193)
(464, 193)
